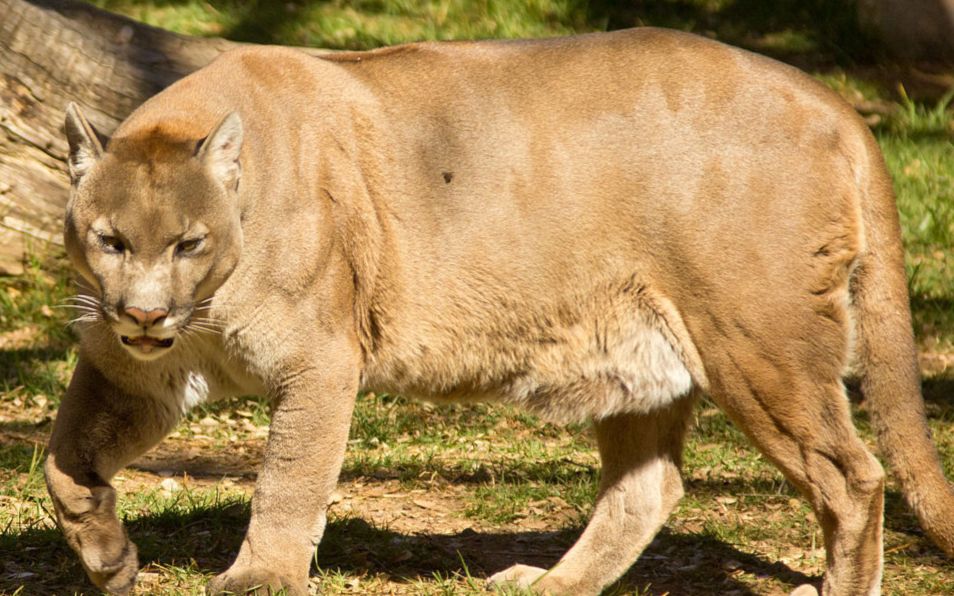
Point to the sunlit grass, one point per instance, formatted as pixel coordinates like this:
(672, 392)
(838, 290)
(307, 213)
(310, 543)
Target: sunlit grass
(918, 145)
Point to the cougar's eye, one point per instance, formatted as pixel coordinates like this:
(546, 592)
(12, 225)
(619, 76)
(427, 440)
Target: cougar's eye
(188, 247)
(111, 244)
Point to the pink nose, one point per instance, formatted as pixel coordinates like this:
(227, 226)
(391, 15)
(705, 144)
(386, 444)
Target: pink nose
(146, 319)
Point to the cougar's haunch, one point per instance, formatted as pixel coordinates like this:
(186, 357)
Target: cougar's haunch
(596, 227)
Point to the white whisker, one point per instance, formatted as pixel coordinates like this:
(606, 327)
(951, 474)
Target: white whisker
(78, 307)
(207, 309)
(208, 320)
(202, 328)
(208, 323)
(82, 300)
(207, 304)
(203, 318)
(84, 319)
(86, 305)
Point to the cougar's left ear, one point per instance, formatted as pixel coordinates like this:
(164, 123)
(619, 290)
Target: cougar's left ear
(220, 151)
(85, 147)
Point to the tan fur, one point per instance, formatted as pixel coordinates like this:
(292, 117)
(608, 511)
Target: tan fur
(596, 227)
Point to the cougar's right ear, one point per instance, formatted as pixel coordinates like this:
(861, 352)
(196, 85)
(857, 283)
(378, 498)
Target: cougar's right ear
(220, 151)
(85, 147)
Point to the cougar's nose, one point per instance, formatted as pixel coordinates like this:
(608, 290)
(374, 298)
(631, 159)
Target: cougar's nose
(146, 319)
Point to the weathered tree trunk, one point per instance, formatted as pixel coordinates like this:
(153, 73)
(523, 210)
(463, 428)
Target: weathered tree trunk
(913, 29)
(53, 52)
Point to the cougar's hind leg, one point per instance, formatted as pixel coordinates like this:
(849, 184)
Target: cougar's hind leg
(639, 486)
(797, 414)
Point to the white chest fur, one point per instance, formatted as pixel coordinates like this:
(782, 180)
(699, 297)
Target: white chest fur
(195, 390)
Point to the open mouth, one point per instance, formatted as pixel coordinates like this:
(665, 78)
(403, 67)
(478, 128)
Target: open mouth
(147, 344)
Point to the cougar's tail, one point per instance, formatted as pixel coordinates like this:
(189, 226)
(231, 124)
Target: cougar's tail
(887, 363)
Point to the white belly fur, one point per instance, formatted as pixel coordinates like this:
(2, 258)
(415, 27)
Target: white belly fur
(612, 353)
(632, 369)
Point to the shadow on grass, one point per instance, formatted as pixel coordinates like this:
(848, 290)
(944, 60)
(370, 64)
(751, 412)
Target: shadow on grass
(939, 397)
(354, 546)
(808, 33)
(206, 539)
(813, 32)
(819, 36)
(266, 22)
(28, 374)
(21, 366)
(214, 465)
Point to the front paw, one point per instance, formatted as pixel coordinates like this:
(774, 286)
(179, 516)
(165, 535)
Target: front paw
(111, 562)
(254, 581)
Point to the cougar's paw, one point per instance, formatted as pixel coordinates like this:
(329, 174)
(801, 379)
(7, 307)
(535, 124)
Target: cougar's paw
(804, 590)
(254, 581)
(111, 563)
(520, 576)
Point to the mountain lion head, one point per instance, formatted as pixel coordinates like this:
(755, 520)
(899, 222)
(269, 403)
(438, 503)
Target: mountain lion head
(153, 226)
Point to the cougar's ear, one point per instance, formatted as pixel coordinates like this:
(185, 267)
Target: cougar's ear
(220, 151)
(85, 146)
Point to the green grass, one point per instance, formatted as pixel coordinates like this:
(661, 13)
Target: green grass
(917, 145)
(740, 527)
(360, 24)
(484, 480)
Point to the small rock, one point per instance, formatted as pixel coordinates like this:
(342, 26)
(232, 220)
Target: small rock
(731, 565)
(403, 556)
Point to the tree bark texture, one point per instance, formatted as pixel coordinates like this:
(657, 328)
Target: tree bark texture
(53, 52)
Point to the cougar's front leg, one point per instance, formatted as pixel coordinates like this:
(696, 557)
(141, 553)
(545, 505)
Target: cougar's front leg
(306, 444)
(98, 430)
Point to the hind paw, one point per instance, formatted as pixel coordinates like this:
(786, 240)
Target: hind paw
(518, 576)
(804, 590)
